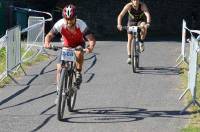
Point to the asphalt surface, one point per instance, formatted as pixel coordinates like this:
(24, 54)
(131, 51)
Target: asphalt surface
(111, 98)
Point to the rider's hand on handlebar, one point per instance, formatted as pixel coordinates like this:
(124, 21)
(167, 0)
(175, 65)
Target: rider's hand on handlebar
(119, 27)
(148, 25)
(87, 50)
(47, 45)
(55, 48)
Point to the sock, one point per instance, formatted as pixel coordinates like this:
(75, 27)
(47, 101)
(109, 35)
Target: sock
(78, 70)
(57, 89)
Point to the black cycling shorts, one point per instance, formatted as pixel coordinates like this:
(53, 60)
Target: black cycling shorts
(134, 23)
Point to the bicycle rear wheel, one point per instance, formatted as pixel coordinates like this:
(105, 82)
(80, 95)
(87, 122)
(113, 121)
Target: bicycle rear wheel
(62, 94)
(71, 100)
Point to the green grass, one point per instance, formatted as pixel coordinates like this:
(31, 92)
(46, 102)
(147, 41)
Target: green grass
(2, 59)
(194, 123)
(25, 65)
(191, 129)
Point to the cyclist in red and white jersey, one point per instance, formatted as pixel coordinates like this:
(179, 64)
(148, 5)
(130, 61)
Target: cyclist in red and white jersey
(73, 32)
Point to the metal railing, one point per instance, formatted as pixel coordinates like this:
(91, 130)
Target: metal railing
(35, 32)
(13, 48)
(194, 49)
(13, 51)
(3, 42)
(11, 41)
(35, 37)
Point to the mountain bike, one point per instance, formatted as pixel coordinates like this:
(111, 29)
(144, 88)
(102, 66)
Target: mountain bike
(135, 51)
(67, 84)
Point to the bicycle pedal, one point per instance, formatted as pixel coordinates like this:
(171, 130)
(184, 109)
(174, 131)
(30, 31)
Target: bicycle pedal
(75, 86)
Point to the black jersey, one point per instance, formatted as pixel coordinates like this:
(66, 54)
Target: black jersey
(136, 15)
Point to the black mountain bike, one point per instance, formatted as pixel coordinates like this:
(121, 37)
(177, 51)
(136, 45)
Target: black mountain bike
(67, 84)
(135, 51)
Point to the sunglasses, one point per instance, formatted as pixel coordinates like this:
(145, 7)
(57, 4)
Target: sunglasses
(70, 19)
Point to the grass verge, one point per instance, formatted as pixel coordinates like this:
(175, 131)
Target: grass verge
(3, 59)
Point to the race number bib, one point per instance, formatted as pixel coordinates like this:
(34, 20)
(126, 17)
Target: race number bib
(68, 55)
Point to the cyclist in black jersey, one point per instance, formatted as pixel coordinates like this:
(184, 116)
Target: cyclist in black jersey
(138, 15)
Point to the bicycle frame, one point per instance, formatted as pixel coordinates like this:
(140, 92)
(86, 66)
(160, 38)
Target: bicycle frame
(66, 83)
(135, 47)
(134, 30)
(70, 68)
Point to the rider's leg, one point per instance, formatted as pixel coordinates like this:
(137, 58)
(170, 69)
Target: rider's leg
(130, 39)
(79, 61)
(58, 73)
(58, 66)
(143, 33)
(143, 30)
(79, 64)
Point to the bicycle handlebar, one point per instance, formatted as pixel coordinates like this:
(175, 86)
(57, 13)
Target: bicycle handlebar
(55, 48)
(129, 27)
(133, 29)
(124, 27)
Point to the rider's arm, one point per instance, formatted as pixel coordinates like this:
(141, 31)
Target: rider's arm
(48, 39)
(91, 41)
(121, 15)
(146, 12)
(55, 30)
(88, 35)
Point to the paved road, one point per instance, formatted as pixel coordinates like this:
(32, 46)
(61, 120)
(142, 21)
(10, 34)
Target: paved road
(112, 98)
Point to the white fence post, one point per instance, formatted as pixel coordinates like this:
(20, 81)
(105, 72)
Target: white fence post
(182, 55)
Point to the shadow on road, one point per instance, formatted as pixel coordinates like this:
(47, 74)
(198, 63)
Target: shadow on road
(28, 101)
(117, 115)
(28, 84)
(43, 123)
(86, 72)
(159, 70)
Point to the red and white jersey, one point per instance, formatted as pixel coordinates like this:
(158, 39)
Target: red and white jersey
(71, 39)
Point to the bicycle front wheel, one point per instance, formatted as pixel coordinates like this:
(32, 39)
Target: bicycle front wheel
(62, 94)
(134, 57)
(71, 100)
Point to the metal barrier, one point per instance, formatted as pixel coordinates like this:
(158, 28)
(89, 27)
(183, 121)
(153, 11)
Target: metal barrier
(13, 51)
(192, 73)
(3, 41)
(35, 36)
(13, 48)
(12, 42)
